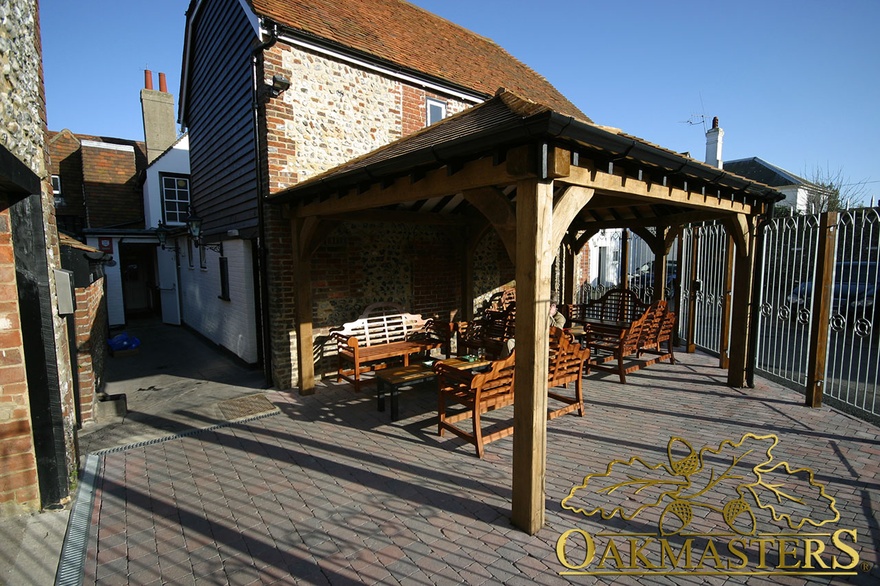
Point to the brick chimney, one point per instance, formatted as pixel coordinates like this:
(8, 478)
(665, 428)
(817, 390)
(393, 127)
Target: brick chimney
(158, 107)
(714, 139)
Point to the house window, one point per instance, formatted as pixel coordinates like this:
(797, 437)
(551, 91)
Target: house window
(175, 198)
(56, 190)
(224, 278)
(436, 110)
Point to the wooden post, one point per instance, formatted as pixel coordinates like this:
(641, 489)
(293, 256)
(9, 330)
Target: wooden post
(741, 228)
(822, 292)
(660, 265)
(692, 287)
(679, 274)
(724, 343)
(304, 335)
(624, 259)
(534, 220)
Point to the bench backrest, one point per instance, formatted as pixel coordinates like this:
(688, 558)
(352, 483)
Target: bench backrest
(383, 323)
(615, 305)
(567, 358)
(495, 387)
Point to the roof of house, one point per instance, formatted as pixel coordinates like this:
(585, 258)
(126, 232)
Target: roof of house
(400, 33)
(512, 119)
(760, 170)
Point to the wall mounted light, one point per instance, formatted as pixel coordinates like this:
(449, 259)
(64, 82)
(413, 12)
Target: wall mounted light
(280, 84)
(194, 227)
(162, 232)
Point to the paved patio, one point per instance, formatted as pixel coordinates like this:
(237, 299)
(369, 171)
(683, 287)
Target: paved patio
(330, 491)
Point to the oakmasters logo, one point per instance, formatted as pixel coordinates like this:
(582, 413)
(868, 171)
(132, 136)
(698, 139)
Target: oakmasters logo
(723, 510)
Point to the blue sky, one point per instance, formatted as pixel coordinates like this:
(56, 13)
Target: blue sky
(795, 82)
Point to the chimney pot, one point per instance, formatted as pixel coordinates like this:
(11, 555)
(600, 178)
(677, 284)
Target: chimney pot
(163, 86)
(148, 79)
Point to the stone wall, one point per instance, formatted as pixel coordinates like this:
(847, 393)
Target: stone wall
(22, 128)
(22, 112)
(331, 113)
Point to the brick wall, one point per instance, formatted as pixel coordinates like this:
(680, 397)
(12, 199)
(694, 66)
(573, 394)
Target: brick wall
(110, 181)
(18, 464)
(91, 344)
(66, 162)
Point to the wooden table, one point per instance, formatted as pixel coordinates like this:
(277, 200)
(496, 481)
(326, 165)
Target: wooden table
(465, 365)
(396, 378)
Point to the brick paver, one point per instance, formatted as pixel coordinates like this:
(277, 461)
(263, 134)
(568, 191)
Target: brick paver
(331, 491)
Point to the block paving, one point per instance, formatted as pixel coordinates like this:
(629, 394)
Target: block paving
(330, 491)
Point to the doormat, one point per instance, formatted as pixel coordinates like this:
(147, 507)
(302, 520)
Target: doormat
(234, 409)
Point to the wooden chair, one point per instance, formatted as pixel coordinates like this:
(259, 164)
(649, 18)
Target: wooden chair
(484, 392)
(658, 329)
(566, 365)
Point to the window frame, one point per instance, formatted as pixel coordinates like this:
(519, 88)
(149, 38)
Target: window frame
(431, 103)
(183, 205)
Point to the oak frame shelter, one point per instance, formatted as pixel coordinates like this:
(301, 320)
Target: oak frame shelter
(539, 178)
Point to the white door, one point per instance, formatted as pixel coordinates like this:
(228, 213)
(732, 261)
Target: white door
(168, 287)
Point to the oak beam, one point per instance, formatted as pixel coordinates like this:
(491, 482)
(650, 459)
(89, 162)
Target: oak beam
(437, 182)
(617, 184)
(566, 209)
(303, 277)
(534, 257)
(742, 230)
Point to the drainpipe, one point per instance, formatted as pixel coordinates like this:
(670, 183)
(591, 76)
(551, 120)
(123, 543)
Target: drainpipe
(261, 255)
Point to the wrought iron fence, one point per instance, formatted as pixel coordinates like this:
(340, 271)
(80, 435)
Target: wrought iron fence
(851, 376)
(787, 324)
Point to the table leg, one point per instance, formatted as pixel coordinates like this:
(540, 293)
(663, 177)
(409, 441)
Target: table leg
(380, 392)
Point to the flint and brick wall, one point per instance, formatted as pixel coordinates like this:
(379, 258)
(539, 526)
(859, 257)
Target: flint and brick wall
(22, 133)
(332, 113)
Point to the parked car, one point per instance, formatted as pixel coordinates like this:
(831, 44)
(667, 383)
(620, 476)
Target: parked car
(853, 295)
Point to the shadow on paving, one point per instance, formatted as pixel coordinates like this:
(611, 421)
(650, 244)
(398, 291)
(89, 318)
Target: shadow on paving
(174, 375)
(330, 490)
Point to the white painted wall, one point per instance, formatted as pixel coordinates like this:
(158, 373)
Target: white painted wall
(174, 160)
(231, 324)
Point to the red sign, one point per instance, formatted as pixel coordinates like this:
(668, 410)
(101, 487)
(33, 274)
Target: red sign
(105, 245)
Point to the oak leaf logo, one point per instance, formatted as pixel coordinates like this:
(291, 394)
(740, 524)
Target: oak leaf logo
(737, 479)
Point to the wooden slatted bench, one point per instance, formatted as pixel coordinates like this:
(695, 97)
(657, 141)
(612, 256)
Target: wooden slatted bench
(610, 341)
(384, 332)
(478, 394)
(566, 365)
(619, 305)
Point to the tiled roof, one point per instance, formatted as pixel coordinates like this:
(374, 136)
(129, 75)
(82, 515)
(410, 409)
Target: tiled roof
(401, 33)
(760, 170)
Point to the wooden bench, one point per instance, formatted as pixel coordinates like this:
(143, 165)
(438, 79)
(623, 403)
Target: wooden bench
(618, 342)
(566, 365)
(659, 328)
(383, 332)
(621, 305)
(481, 393)
(487, 391)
